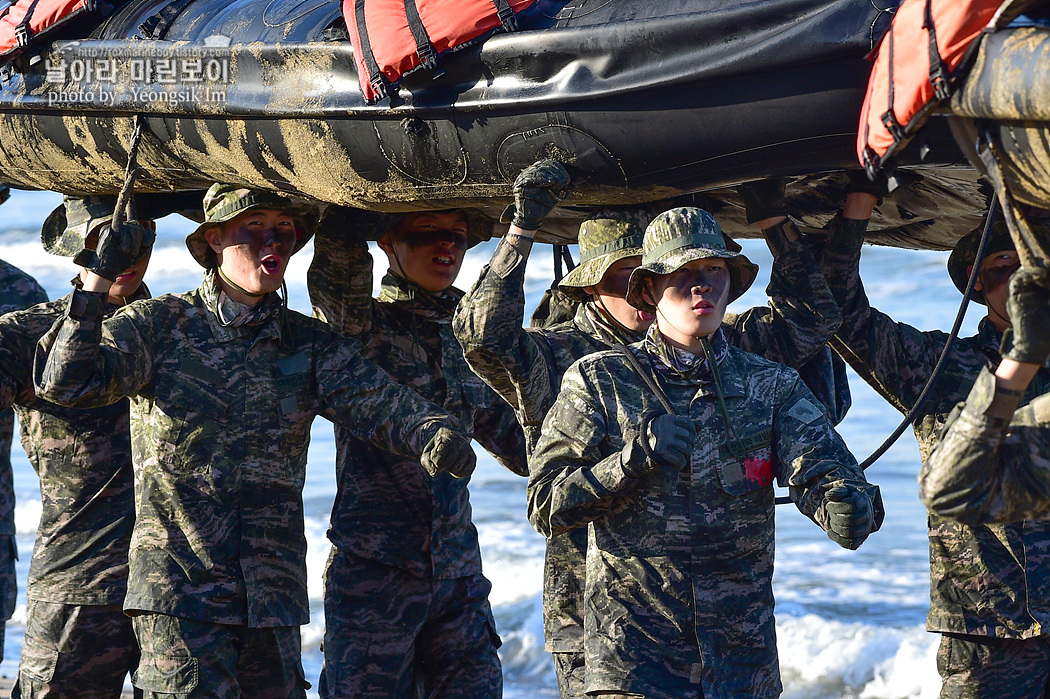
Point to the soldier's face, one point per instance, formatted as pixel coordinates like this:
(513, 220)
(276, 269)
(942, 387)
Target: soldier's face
(611, 294)
(691, 301)
(428, 248)
(993, 282)
(129, 281)
(253, 250)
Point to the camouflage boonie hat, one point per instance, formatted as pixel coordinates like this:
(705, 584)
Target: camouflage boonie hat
(66, 229)
(961, 261)
(679, 236)
(607, 236)
(223, 202)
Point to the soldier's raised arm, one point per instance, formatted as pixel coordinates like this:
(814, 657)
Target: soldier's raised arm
(82, 361)
(489, 319)
(802, 313)
(340, 274)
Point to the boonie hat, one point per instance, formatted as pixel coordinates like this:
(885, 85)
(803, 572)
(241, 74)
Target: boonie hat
(223, 202)
(961, 261)
(607, 236)
(677, 237)
(66, 229)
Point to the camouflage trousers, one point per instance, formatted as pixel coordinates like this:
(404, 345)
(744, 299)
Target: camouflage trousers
(391, 634)
(571, 670)
(75, 651)
(8, 583)
(980, 667)
(196, 659)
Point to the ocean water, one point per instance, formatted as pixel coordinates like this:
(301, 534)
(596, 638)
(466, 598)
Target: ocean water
(849, 623)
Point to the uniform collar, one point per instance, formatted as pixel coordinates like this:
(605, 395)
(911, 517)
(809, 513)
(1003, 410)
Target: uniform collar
(591, 321)
(269, 310)
(441, 305)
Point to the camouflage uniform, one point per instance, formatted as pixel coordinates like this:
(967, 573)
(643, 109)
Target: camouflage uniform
(78, 639)
(405, 599)
(678, 598)
(526, 366)
(989, 585)
(17, 291)
(220, 426)
(990, 470)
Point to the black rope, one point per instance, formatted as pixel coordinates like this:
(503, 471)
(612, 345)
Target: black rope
(993, 209)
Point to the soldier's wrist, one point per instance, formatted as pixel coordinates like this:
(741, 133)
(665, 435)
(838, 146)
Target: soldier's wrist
(87, 305)
(633, 460)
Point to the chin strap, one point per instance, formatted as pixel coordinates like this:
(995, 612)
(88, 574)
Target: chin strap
(238, 287)
(611, 318)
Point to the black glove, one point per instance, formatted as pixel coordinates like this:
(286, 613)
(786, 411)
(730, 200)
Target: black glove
(537, 190)
(763, 198)
(449, 452)
(1029, 309)
(848, 517)
(665, 440)
(116, 251)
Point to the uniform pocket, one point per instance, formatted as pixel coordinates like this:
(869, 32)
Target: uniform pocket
(168, 674)
(37, 661)
(752, 471)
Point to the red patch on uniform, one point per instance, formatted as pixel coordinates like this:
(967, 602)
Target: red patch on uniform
(758, 469)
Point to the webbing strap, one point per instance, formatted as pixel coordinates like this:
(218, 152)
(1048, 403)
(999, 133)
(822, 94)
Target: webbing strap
(506, 15)
(889, 119)
(22, 33)
(938, 73)
(375, 76)
(645, 376)
(424, 49)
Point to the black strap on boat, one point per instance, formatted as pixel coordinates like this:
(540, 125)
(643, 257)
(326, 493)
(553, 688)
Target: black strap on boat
(424, 49)
(375, 76)
(22, 32)
(562, 256)
(156, 27)
(889, 119)
(506, 15)
(939, 73)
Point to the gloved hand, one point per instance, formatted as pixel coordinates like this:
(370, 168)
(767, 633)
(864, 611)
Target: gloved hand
(848, 517)
(116, 251)
(666, 440)
(449, 452)
(537, 190)
(1029, 309)
(763, 198)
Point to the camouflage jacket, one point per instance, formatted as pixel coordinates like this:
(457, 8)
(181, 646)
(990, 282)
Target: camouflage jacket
(387, 508)
(985, 470)
(680, 565)
(18, 290)
(83, 459)
(525, 366)
(220, 423)
(984, 580)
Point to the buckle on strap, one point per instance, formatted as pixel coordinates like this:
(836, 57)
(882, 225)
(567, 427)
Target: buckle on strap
(507, 17)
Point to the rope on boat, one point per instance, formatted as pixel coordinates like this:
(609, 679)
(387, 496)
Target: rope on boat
(125, 209)
(993, 209)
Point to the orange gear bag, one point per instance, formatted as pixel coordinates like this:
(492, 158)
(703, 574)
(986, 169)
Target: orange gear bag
(26, 22)
(392, 38)
(925, 50)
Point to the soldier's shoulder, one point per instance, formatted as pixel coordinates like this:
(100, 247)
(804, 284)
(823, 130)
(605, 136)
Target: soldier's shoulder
(18, 289)
(753, 365)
